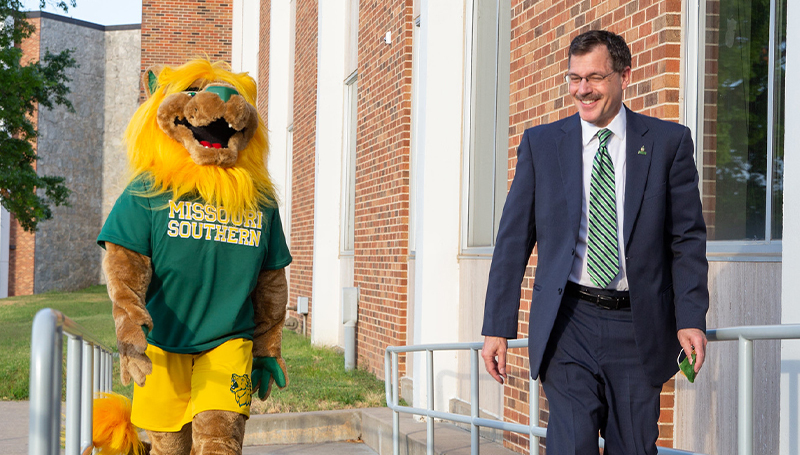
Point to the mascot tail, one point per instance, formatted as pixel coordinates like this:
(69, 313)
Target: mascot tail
(113, 433)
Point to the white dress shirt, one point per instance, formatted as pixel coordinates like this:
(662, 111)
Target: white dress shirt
(616, 148)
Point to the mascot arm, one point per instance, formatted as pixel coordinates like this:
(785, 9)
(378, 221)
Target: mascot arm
(128, 275)
(269, 304)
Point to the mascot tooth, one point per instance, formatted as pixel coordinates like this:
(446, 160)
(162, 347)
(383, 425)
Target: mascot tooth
(195, 259)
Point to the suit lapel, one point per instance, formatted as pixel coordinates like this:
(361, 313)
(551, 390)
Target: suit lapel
(638, 153)
(570, 161)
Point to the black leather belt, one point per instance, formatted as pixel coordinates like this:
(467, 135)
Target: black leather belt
(602, 298)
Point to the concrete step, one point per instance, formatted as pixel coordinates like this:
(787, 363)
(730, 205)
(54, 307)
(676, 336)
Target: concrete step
(376, 431)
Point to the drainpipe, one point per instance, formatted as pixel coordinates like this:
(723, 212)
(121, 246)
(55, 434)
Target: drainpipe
(349, 319)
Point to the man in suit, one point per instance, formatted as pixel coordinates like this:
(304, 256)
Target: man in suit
(611, 199)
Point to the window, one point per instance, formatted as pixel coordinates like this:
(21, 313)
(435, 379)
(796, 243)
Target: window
(488, 57)
(741, 123)
(347, 240)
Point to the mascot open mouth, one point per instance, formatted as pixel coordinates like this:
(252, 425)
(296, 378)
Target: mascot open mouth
(214, 135)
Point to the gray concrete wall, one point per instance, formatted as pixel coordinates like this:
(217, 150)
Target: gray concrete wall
(742, 293)
(85, 147)
(71, 145)
(123, 63)
(123, 67)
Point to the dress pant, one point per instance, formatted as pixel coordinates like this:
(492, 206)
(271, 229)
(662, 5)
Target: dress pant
(595, 383)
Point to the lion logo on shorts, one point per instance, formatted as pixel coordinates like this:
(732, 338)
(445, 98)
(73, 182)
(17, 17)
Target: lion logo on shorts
(240, 387)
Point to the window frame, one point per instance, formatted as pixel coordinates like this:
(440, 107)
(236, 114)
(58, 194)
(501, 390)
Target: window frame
(349, 139)
(501, 125)
(766, 250)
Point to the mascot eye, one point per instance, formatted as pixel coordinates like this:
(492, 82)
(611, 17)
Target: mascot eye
(191, 93)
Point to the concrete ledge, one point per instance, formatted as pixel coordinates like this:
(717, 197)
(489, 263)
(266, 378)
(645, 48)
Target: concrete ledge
(303, 427)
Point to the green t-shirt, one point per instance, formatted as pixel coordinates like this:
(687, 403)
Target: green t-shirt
(205, 264)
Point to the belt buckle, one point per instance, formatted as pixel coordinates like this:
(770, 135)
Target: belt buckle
(607, 302)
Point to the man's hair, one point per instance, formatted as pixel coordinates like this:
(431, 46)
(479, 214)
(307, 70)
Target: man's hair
(617, 48)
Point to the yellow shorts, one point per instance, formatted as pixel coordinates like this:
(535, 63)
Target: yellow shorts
(183, 385)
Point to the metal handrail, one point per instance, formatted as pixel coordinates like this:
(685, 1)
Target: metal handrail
(89, 369)
(744, 334)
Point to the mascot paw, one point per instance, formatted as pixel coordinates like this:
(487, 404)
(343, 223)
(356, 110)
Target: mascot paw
(267, 370)
(136, 366)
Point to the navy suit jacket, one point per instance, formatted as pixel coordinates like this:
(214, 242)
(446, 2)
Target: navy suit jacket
(664, 235)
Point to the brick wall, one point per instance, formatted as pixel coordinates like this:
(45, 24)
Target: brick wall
(174, 31)
(382, 178)
(305, 118)
(20, 260)
(541, 31)
(263, 59)
(22, 245)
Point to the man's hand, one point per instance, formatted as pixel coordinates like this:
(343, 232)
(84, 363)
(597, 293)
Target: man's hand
(495, 347)
(693, 339)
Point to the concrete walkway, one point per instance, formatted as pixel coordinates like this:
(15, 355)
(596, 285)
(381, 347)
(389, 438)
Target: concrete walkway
(345, 432)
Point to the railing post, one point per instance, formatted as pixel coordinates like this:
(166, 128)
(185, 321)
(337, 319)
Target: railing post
(431, 438)
(533, 417)
(74, 354)
(96, 369)
(396, 402)
(40, 390)
(745, 396)
(474, 392)
(106, 372)
(55, 397)
(87, 402)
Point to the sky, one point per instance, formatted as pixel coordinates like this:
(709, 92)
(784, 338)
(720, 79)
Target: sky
(103, 12)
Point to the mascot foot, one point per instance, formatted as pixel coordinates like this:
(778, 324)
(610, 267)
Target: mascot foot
(218, 433)
(172, 443)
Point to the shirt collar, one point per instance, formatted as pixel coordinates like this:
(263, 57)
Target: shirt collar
(617, 126)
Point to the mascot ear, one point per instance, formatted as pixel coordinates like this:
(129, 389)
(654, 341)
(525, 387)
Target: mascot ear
(150, 79)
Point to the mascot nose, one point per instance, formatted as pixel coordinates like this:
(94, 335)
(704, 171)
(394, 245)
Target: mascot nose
(223, 92)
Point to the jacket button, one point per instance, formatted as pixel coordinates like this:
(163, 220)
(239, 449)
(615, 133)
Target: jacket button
(559, 291)
(573, 252)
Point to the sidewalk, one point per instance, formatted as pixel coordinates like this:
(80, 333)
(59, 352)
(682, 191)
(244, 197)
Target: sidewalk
(344, 432)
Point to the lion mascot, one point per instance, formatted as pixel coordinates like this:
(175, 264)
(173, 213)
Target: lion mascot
(195, 258)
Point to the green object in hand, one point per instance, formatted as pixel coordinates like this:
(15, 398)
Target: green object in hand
(264, 370)
(688, 368)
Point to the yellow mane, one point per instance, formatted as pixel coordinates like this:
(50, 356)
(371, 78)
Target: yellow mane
(163, 161)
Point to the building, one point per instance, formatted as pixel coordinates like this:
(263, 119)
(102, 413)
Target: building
(393, 133)
(394, 127)
(81, 146)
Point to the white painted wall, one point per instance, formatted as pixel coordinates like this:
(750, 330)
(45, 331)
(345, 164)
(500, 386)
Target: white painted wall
(439, 185)
(326, 287)
(790, 302)
(244, 48)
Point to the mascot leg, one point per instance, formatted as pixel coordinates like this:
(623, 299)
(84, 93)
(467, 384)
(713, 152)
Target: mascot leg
(171, 443)
(218, 433)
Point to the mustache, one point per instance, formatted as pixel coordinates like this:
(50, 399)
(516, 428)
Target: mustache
(589, 97)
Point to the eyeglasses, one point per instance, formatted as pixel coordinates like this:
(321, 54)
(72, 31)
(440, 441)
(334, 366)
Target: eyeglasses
(592, 79)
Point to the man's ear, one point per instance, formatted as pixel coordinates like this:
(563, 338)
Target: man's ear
(150, 79)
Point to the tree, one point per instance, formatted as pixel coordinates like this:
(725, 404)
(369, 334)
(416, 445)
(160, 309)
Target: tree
(23, 85)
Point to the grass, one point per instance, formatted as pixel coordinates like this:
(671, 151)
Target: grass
(90, 308)
(317, 380)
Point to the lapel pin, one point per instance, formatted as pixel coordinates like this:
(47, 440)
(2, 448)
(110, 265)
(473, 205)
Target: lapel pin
(642, 151)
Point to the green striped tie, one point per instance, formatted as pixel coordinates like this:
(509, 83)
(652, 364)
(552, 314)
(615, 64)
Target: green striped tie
(602, 256)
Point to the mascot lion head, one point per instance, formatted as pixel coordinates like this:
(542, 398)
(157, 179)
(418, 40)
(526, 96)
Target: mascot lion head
(199, 135)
